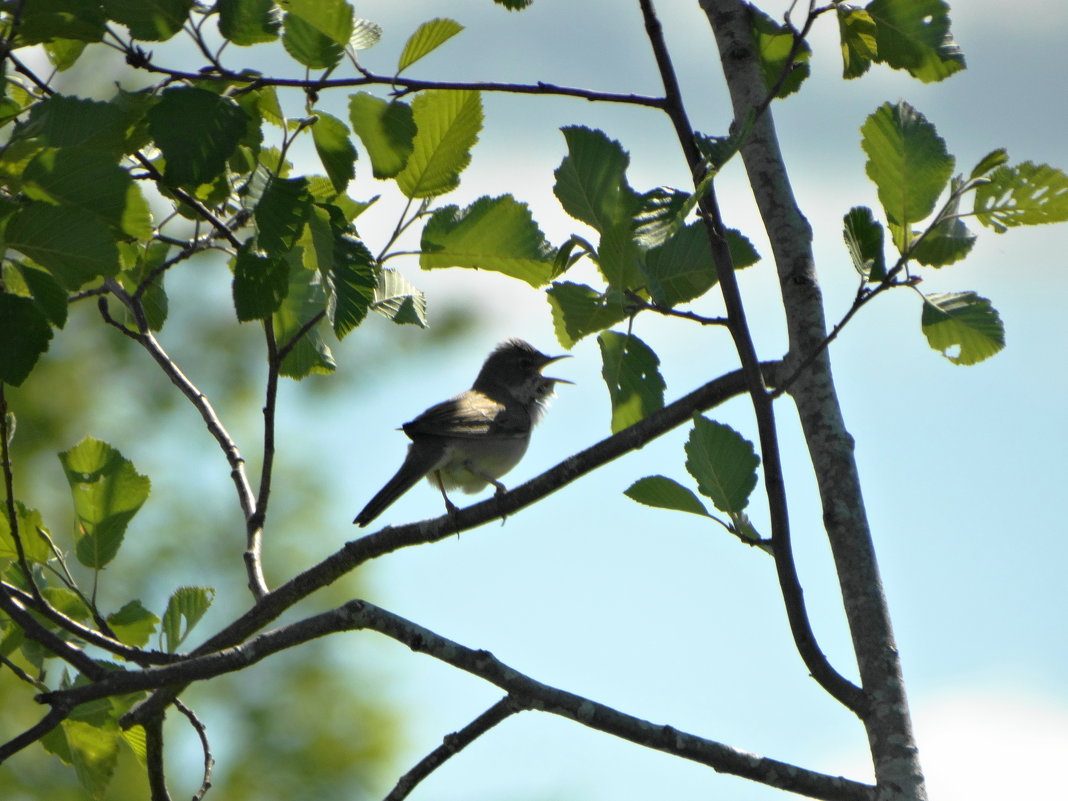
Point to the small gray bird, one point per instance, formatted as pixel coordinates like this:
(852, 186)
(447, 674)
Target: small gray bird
(478, 436)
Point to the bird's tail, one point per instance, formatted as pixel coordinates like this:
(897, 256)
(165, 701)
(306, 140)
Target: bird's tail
(421, 459)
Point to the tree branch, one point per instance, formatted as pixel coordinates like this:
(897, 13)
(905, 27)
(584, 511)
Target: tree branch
(404, 86)
(389, 539)
(54, 716)
(523, 690)
(886, 717)
(453, 744)
(157, 781)
(91, 636)
(815, 660)
(199, 400)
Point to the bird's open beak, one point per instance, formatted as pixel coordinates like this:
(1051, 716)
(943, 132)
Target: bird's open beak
(550, 361)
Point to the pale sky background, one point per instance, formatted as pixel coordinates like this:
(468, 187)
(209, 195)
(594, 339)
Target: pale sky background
(662, 614)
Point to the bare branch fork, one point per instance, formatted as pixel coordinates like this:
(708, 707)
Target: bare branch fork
(830, 679)
(523, 692)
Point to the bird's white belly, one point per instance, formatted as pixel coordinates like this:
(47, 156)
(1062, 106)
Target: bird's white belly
(468, 463)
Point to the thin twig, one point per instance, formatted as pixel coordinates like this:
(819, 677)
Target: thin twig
(9, 499)
(637, 303)
(209, 760)
(107, 643)
(453, 744)
(404, 86)
(200, 403)
(37, 632)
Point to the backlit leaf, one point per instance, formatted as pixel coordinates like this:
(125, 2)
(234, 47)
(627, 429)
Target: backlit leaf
(426, 39)
(107, 492)
(447, 126)
(964, 327)
(631, 371)
(496, 234)
(907, 161)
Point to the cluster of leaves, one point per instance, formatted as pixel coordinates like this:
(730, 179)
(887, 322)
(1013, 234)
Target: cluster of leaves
(913, 171)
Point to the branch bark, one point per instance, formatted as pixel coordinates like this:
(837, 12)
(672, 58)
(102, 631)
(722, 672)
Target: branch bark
(886, 717)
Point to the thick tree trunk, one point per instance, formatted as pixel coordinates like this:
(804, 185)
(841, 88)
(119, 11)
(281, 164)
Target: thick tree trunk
(886, 719)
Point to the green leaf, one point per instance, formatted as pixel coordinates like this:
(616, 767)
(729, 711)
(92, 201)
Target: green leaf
(723, 462)
(665, 493)
(591, 181)
(64, 53)
(310, 47)
(992, 160)
(33, 544)
(331, 138)
(447, 125)
(304, 301)
(907, 161)
(317, 31)
(24, 336)
(248, 22)
(89, 180)
(914, 35)
(774, 43)
(387, 130)
(496, 234)
(66, 121)
(365, 34)
(859, 47)
(133, 624)
(85, 251)
(964, 327)
(281, 213)
(514, 5)
(631, 373)
(662, 214)
(150, 20)
(399, 300)
(681, 269)
(427, 38)
(579, 310)
(46, 20)
(1027, 194)
(863, 236)
(350, 283)
(331, 18)
(92, 750)
(186, 604)
(197, 131)
(107, 493)
(948, 240)
(260, 284)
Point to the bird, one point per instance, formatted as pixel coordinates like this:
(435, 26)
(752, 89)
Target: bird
(471, 440)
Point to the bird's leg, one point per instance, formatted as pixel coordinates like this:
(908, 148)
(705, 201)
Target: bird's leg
(450, 507)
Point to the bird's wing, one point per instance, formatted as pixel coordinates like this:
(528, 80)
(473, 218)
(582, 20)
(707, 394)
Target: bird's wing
(468, 415)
